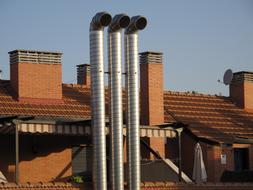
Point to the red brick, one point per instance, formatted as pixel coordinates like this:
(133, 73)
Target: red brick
(242, 93)
(42, 160)
(152, 105)
(37, 82)
(157, 144)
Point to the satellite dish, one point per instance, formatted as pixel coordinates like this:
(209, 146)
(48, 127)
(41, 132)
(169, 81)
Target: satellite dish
(228, 76)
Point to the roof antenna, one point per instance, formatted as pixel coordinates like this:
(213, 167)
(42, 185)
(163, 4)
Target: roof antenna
(227, 77)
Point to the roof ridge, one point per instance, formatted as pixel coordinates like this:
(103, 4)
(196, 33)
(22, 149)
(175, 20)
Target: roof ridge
(193, 93)
(75, 85)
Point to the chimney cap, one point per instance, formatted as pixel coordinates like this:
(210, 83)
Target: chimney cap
(83, 65)
(151, 52)
(34, 56)
(243, 72)
(150, 57)
(242, 76)
(34, 51)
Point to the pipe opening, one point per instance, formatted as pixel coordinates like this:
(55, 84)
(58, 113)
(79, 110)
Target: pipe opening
(136, 23)
(105, 19)
(141, 23)
(124, 21)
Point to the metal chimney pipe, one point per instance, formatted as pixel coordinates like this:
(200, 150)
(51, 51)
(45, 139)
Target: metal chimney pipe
(116, 120)
(99, 21)
(132, 95)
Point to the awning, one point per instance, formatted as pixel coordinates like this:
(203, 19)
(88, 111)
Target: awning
(80, 130)
(147, 131)
(54, 129)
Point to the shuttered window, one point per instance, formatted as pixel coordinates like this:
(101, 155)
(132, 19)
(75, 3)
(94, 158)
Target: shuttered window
(81, 160)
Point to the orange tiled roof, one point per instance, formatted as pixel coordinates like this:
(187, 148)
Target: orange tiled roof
(76, 103)
(211, 117)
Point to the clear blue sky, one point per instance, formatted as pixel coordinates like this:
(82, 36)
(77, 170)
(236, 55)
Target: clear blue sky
(200, 39)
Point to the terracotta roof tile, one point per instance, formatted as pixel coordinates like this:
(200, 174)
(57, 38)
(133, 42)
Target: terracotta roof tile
(212, 117)
(76, 103)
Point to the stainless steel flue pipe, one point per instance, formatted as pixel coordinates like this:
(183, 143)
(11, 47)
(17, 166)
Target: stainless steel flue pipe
(99, 21)
(132, 95)
(116, 119)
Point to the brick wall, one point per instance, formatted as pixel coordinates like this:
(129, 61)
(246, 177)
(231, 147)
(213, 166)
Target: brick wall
(241, 93)
(42, 158)
(34, 83)
(248, 95)
(145, 153)
(14, 70)
(213, 165)
(83, 74)
(157, 144)
(211, 156)
(217, 166)
(171, 148)
(188, 145)
(7, 156)
(87, 80)
(236, 91)
(152, 108)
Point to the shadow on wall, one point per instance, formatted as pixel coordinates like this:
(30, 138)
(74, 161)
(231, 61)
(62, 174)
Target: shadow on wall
(154, 171)
(237, 176)
(7, 156)
(42, 157)
(211, 152)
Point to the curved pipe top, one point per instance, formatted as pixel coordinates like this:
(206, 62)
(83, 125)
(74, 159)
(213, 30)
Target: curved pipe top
(136, 23)
(100, 20)
(118, 22)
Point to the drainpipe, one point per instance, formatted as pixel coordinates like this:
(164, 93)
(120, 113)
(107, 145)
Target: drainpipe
(116, 119)
(15, 123)
(132, 95)
(99, 21)
(179, 132)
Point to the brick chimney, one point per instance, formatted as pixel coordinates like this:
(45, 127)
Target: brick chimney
(36, 76)
(83, 74)
(241, 90)
(151, 79)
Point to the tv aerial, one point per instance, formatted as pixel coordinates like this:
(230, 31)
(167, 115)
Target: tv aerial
(228, 77)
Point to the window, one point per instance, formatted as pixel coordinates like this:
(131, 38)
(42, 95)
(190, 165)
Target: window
(81, 160)
(241, 159)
